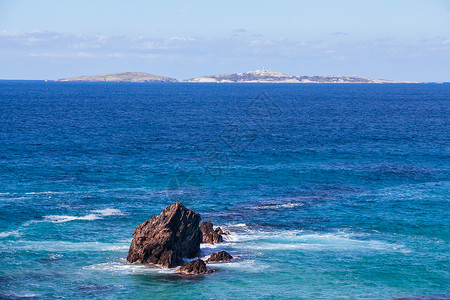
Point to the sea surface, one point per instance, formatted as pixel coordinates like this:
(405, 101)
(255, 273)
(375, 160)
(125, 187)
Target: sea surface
(330, 191)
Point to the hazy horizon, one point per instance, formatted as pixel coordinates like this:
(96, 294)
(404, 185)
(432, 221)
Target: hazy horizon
(405, 40)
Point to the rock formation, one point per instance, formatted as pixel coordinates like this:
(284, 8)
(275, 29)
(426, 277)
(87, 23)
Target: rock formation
(209, 236)
(195, 267)
(121, 77)
(219, 230)
(220, 256)
(277, 77)
(166, 238)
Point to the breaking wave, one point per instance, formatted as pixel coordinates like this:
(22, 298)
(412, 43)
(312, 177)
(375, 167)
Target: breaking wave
(94, 215)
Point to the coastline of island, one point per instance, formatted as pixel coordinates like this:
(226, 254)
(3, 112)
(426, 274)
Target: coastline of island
(258, 76)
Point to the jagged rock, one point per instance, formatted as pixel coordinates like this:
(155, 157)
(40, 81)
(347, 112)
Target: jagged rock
(219, 230)
(195, 267)
(209, 236)
(166, 238)
(227, 232)
(220, 256)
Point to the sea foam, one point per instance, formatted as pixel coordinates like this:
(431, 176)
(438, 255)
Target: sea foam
(253, 239)
(278, 205)
(63, 218)
(63, 246)
(123, 267)
(109, 212)
(94, 215)
(9, 233)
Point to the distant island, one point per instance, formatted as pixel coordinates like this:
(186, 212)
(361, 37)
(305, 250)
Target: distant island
(120, 77)
(258, 76)
(263, 76)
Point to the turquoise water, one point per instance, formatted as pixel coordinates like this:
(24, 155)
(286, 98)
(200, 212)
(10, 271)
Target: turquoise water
(329, 191)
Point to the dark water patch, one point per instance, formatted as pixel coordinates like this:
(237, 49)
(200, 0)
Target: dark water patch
(170, 278)
(95, 289)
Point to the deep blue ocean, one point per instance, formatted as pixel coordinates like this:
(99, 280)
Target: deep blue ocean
(330, 191)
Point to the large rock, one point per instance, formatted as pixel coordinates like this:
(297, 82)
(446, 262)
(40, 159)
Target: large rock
(195, 267)
(167, 238)
(209, 236)
(219, 256)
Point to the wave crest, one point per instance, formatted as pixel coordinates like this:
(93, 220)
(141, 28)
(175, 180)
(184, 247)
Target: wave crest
(94, 215)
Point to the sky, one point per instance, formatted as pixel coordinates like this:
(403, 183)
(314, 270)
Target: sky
(398, 40)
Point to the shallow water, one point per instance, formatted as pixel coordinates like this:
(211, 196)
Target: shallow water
(329, 191)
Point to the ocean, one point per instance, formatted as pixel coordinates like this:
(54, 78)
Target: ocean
(330, 191)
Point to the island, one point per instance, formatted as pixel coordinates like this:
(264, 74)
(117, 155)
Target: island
(120, 77)
(258, 76)
(264, 76)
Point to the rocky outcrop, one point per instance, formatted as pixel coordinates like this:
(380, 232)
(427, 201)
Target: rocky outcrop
(121, 77)
(219, 230)
(277, 77)
(166, 238)
(220, 256)
(195, 267)
(209, 236)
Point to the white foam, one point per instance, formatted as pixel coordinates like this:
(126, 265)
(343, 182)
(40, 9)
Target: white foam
(232, 237)
(15, 296)
(115, 248)
(277, 206)
(301, 240)
(55, 256)
(39, 193)
(109, 212)
(95, 215)
(123, 267)
(10, 233)
(233, 225)
(209, 246)
(62, 246)
(63, 219)
(348, 246)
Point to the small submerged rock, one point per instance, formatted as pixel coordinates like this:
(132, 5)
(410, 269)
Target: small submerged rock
(195, 267)
(209, 235)
(219, 256)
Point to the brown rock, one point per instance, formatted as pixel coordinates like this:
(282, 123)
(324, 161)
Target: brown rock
(195, 267)
(220, 256)
(219, 230)
(209, 236)
(227, 232)
(166, 238)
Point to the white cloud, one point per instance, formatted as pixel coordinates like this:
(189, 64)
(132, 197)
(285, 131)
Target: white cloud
(61, 54)
(177, 38)
(151, 56)
(116, 55)
(237, 52)
(5, 33)
(37, 31)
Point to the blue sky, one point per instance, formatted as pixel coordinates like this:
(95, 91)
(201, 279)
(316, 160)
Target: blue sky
(48, 39)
